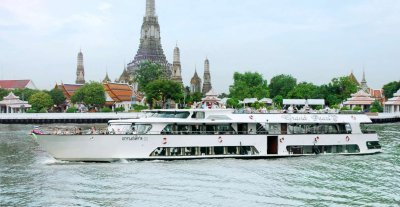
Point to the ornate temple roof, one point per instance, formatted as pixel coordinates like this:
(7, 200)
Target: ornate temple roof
(13, 84)
(106, 79)
(360, 98)
(195, 79)
(118, 92)
(395, 100)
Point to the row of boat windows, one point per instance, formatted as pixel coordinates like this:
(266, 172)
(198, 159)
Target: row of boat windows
(204, 151)
(314, 149)
(229, 129)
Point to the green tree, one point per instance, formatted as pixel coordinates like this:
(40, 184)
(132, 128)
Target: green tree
(146, 73)
(57, 95)
(281, 85)
(376, 107)
(162, 90)
(40, 101)
(391, 88)
(338, 90)
(3, 93)
(278, 101)
(91, 94)
(233, 103)
(304, 90)
(25, 93)
(248, 85)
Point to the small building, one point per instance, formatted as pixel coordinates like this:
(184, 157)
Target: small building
(393, 104)
(17, 84)
(361, 99)
(12, 104)
(211, 99)
(119, 95)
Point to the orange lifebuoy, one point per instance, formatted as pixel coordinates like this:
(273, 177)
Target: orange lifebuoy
(347, 139)
(164, 140)
(282, 139)
(220, 140)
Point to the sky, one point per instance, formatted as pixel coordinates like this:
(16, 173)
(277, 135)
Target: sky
(313, 41)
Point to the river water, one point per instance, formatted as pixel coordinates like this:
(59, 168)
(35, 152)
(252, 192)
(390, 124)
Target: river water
(30, 177)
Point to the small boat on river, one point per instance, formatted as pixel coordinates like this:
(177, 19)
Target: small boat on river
(216, 133)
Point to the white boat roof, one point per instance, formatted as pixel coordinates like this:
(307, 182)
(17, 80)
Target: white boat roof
(227, 116)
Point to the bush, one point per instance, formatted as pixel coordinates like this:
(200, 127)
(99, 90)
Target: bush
(43, 110)
(318, 107)
(105, 110)
(373, 110)
(72, 110)
(31, 111)
(357, 108)
(119, 109)
(345, 108)
(138, 107)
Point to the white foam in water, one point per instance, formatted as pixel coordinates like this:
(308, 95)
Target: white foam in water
(124, 161)
(52, 161)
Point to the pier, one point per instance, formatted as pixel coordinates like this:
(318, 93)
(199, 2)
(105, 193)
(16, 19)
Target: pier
(50, 118)
(384, 117)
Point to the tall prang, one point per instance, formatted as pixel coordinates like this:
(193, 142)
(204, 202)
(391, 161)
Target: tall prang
(207, 77)
(363, 84)
(150, 48)
(80, 70)
(176, 66)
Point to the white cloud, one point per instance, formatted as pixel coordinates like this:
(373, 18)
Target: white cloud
(104, 6)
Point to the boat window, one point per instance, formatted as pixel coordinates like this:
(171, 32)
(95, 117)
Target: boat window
(261, 129)
(317, 149)
(274, 128)
(125, 128)
(141, 128)
(219, 117)
(373, 145)
(198, 129)
(319, 128)
(198, 115)
(169, 114)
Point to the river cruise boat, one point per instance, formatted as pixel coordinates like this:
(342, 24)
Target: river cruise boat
(215, 133)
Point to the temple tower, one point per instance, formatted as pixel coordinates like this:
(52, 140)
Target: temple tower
(176, 66)
(363, 84)
(207, 77)
(195, 83)
(150, 47)
(80, 70)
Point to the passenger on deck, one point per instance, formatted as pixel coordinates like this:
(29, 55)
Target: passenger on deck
(93, 130)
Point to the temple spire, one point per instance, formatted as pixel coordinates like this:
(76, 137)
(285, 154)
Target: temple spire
(150, 8)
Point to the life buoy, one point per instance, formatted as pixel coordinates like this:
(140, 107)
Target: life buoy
(164, 140)
(347, 139)
(282, 139)
(316, 139)
(251, 117)
(220, 140)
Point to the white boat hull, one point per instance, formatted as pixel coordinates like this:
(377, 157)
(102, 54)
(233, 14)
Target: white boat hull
(140, 147)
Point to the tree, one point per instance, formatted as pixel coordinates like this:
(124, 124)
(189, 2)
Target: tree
(338, 90)
(278, 101)
(3, 93)
(40, 101)
(391, 88)
(304, 90)
(147, 72)
(91, 94)
(233, 103)
(248, 85)
(25, 93)
(376, 107)
(163, 90)
(282, 85)
(223, 95)
(57, 95)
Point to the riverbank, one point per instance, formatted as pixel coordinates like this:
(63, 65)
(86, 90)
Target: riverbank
(49, 118)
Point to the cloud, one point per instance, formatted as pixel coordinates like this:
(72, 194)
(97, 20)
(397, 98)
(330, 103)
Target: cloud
(104, 6)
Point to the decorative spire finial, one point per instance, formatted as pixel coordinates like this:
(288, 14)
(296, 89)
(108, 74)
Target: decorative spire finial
(150, 8)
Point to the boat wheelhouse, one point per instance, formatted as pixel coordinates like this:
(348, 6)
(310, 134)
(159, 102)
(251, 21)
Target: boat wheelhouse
(217, 133)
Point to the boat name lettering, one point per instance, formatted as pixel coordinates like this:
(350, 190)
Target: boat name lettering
(294, 117)
(324, 118)
(134, 138)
